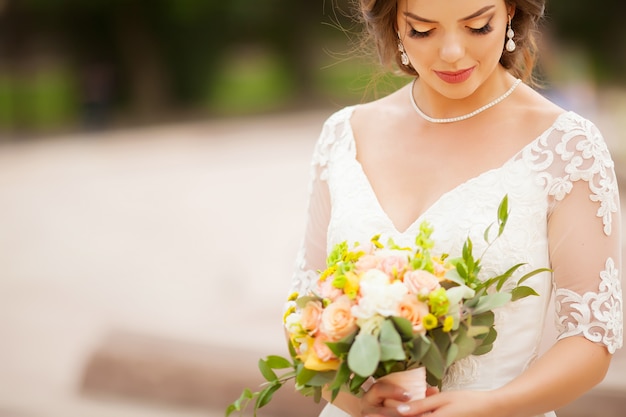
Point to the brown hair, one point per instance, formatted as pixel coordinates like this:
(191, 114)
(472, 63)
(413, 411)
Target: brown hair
(379, 18)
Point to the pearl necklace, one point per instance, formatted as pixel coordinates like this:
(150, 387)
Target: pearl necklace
(465, 116)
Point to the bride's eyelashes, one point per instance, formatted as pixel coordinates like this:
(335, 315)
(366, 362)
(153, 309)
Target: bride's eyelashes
(482, 30)
(487, 28)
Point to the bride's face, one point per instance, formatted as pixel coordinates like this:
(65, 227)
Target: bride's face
(454, 45)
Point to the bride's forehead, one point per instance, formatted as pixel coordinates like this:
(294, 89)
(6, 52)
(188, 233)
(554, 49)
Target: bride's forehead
(447, 9)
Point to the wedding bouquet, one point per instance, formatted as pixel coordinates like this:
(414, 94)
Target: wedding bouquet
(380, 309)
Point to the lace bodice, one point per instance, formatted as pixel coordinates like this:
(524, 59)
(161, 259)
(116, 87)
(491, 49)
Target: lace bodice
(564, 206)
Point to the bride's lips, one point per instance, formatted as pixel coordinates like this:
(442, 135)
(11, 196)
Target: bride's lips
(455, 77)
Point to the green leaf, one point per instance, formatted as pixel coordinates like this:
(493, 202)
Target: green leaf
(474, 331)
(304, 375)
(404, 327)
(466, 344)
(484, 319)
(491, 301)
(278, 362)
(390, 342)
(522, 292)
(339, 348)
(321, 378)
(434, 362)
(266, 371)
(501, 279)
(453, 352)
(503, 213)
(483, 349)
(532, 274)
(356, 383)
(420, 347)
(341, 377)
(240, 403)
(266, 395)
(364, 355)
(486, 233)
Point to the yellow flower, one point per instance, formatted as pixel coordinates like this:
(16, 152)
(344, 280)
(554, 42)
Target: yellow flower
(429, 321)
(448, 323)
(351, 288)
(293, 296)
(290, 310)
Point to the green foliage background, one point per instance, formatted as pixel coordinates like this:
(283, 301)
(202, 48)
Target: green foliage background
(101, 62)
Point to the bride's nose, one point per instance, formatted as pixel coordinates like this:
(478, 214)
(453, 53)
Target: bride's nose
(452, 48)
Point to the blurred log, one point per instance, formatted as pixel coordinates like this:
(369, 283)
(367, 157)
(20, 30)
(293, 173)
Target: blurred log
(177, 373)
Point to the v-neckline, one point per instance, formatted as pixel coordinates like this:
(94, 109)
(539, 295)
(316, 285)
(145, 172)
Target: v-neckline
(418, 219)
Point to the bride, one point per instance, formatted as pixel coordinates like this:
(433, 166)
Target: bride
(445, 148)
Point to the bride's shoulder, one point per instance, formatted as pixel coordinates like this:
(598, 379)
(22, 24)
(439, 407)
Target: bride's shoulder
(382, 113)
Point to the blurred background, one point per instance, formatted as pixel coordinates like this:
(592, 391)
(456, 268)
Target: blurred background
(153, 182)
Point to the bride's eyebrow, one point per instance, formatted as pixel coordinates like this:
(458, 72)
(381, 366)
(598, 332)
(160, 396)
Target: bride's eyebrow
(470, 17)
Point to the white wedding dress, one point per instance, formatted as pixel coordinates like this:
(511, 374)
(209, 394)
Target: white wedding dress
(561, 184)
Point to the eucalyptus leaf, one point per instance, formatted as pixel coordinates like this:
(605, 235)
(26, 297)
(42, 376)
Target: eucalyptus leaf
(390, 343)
(364, 355)
(466, 344)
(321, 379)
(452, 355)
(484, 319)
(483, 349)
(434, 362)
(404, 327)
(420, 347)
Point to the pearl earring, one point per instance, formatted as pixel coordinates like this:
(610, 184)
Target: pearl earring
(510, 43)
(404, 58)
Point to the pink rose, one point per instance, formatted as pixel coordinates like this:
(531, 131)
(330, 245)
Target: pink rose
(414, 311)
(310, 316)
(394, 263)
(421, 282)
(337, 319)
(367, 262)
(326, 289)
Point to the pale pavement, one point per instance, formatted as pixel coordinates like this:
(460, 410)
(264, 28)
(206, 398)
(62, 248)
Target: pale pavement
(186, 233)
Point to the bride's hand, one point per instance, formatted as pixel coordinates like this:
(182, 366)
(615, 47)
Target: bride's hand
(381, 400)
(451, 404)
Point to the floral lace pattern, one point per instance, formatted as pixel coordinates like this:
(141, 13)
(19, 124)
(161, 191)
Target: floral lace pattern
(594, 315)
(569, 153)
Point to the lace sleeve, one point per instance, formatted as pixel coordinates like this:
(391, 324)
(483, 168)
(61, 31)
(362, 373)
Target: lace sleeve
(312, 254)
(584, 233)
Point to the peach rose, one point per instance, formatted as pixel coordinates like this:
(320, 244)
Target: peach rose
(420, 282)
(414, 311)
(322, 350)
(310, 316)
(337, 319)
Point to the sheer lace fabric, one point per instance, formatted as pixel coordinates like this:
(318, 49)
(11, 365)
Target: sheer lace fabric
(564, 215)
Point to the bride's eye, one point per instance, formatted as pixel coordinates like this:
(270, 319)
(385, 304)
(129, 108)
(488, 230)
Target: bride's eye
(414, 33)
(482, 30)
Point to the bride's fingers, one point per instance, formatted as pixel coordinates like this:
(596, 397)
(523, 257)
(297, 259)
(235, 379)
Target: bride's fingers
(382, 399)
